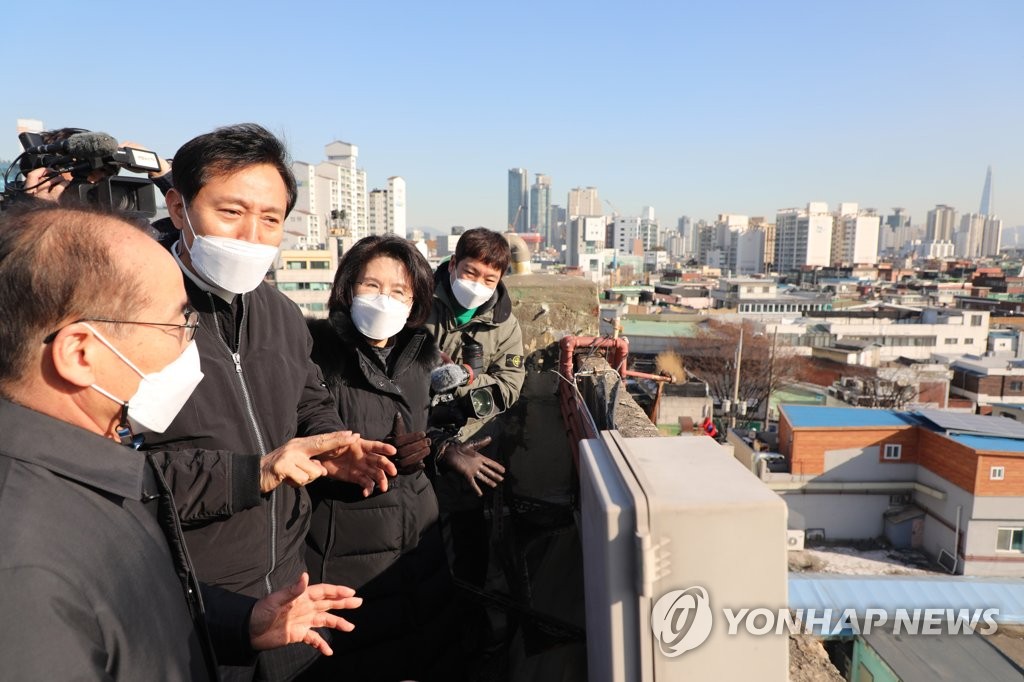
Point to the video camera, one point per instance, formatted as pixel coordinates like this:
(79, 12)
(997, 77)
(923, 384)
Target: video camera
(93, 160)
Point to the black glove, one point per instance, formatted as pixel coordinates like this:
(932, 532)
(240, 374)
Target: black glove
(412, 447)
(466, 459)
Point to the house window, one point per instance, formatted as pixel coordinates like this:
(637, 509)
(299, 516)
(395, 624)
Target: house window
(1010, 540)
(950, 342)
(975, 320)
(968, 342)
(1016, 385)
(996, 473)
(892, 451)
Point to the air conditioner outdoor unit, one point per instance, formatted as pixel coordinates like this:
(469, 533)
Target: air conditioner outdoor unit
(654, 512)
(794, 539)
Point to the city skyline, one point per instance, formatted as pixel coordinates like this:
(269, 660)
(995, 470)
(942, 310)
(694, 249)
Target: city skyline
(738, 108)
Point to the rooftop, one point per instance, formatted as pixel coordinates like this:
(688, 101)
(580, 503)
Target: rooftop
(990, 443)
(668, 328)
(940, 657)
(889, 592)
(813, 416)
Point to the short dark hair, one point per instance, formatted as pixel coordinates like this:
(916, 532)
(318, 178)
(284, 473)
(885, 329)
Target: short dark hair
(392, 246)
(56, 264)
(487, 246)
(228, 150)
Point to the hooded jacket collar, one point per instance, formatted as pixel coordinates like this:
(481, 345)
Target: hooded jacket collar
(413, 344)
(495, 311)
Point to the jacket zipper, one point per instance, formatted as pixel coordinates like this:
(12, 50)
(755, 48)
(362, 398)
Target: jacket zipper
(236, 356)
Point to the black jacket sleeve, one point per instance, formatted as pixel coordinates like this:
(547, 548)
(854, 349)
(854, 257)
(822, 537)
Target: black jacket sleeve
(209, 484)
(227, 619)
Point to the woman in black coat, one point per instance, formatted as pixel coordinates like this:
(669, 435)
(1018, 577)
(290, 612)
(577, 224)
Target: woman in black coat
(377, 357)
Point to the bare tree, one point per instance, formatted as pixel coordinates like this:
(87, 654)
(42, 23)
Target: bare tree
(888, 387)
(710, 355)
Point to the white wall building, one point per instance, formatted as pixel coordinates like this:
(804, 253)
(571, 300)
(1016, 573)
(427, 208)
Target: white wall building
(626, 233)
(304, 224)
(583, 202)
(967, 241)
(855, 235)
(747, 251)
(941, 224)
(909, 333)
(992, 236)
(936, 250)
(586, 242)
(803, 237)
(349, 182)
(377, 211)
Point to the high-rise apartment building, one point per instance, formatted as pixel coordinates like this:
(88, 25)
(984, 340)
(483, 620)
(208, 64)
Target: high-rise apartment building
(768, 230)
(386, 209)
(583, 202)
(735, 247)
(518, 200)
(396, 206)
(855, 234)
(941, 224)
(967, 240)
(306, 222)
(992, 236)
(377, 211)
(540, 207)
(898, 218)
(559, 226)
(341, 187)
(803, 237)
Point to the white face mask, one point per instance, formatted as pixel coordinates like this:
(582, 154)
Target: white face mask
(230, 264)
(378, 317)
(470, 294)
(162, 394)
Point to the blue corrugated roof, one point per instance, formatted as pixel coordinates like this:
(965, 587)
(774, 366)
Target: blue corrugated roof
(840, 592)
(812, 416)
(987, 443)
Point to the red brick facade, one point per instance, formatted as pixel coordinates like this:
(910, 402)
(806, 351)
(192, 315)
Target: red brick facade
(957, 463)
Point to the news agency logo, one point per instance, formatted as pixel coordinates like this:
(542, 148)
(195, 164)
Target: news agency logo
(681, 620)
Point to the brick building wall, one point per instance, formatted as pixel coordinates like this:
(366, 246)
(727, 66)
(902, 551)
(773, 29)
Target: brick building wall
(806, 448)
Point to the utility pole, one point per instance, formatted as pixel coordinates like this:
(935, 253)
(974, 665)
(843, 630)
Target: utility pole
(736, 382)
(771, 372)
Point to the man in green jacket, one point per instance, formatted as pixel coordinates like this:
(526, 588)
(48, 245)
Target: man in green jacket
(473, 323)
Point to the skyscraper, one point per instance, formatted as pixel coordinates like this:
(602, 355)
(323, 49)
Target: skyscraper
(341, 182)
(992, 236)
(803, 237)
(386, 209)
(941, 224)
(396, 205)
(986, 194)
(540, 207)
(583, 202)
(518, 200)
(968, 239)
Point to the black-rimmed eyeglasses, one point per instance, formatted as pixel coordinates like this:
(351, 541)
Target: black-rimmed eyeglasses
(190, 326)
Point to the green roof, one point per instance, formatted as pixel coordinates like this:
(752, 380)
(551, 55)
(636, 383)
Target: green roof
(660, 329)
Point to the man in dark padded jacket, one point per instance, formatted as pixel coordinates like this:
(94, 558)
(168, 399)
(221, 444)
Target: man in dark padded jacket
(95, 581)
(262, 415)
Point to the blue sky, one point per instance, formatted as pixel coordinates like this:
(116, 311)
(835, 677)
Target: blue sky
(693, 108)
